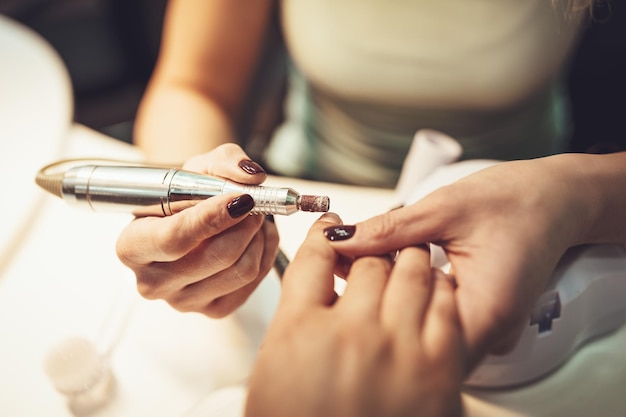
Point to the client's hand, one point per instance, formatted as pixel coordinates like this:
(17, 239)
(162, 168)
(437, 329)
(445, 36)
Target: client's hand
(503, 229)
(210, 257)
(390, 346)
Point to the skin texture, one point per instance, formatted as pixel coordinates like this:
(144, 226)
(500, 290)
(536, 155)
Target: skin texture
(503, 230)
(202, 259)
(364, 354)
(201, 79)
(391, 345)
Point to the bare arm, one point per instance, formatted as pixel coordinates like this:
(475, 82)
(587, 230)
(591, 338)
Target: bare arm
(208, 54)
(603, 188)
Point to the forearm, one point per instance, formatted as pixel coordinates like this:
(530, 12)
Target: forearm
(208, 54)
(602, 180)
(175, 123)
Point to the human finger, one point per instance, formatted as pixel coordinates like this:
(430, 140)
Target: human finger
(221, 279)
(309, 278)
(218, 306)
(255, 261)
(270, 247)
(442, 327)
(156, 239)
(228, 161)
(218, 295)
(366, 283)
(238, 250)
(423, 222)
(408, 291)
(226, 304)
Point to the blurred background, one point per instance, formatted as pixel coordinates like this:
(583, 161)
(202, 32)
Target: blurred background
(110, 47)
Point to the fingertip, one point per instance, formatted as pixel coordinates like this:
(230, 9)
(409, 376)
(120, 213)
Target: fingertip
(330, 217)
(240, 205)
(250, 167)
(339, 232)
(443, 278)
(228, 161)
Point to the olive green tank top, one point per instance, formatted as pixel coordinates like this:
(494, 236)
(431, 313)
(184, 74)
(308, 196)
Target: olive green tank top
(368, 74)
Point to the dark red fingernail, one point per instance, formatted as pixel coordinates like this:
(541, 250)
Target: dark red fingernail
(240, 205)
(343, 232)
(251, 167)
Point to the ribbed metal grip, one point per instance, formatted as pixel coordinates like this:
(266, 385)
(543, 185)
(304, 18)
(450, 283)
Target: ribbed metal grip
(270, 200)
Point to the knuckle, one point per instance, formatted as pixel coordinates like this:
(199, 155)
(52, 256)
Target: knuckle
(248, 266)
(229, 148)
(214, 256)
(124, 254)
(191, 298)
(128, 250)
(150, 286)
(149, 291)
(221, 307)
(221, 260)
(244, 273)
(210, 223)
(183, 306)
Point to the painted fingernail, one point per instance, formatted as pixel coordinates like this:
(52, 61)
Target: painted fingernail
(240, 205)
(342, 232)
(251, 167)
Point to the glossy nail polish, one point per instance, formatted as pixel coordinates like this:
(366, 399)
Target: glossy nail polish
(240, 205)
(336, 233)
(250, 167)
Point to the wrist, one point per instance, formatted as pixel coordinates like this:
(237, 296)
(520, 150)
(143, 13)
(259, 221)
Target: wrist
(595, 196)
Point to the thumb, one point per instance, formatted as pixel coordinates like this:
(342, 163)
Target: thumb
(308, 279)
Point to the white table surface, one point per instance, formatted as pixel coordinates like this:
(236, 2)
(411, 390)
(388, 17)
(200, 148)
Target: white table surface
(60, 277)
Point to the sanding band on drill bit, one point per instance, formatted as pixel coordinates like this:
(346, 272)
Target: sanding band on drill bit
(314, 203)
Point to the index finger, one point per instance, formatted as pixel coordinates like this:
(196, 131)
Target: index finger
(309, 278)
(165, 239)
(228, 161)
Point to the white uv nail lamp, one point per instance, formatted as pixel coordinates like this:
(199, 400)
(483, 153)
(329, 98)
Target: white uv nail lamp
(584, 300)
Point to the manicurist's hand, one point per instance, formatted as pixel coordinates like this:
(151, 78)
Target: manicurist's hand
(503, 230)
(210, 257)
(390, 346)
